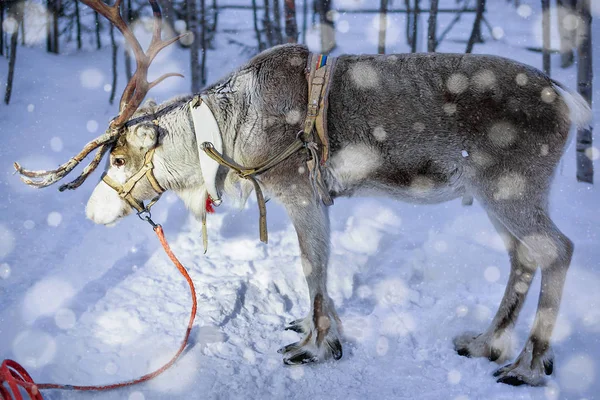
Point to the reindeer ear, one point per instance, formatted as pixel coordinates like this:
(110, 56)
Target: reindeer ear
(143, 136)
(149, 103)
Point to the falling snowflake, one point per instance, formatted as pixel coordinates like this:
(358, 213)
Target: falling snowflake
(91, 78)
(491, 274)
(524, 11)
(30, 107)
(54, 219)
(92, 126)
(56, 144)
(29, 224)
(4, 271)
(454, 377)
(7, 241)
(65, 318)
(136, 396)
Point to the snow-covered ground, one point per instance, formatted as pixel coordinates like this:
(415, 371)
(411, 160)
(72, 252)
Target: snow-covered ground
(86, 304)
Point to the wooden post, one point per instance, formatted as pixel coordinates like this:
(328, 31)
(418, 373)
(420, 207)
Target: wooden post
(585, 75)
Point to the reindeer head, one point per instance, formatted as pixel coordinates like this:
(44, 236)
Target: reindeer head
(126, 183)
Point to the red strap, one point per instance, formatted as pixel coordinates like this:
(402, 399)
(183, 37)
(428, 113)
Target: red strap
(14, 375)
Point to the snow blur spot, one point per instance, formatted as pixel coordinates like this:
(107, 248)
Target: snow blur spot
(571, 22)
(578, 373)
(136, 396)
(462, 311)
(449, 108)
(4, 271)
(34, 349)
(457, 83)
(497, 32)
(364, 76)
(30, 107)
(65, 318)
(364, 292)
(391, 292)
(524, 11)
(54, 219)
(491, 274)
(592, 153)
(91, 126)
(46, 297)
(7, 241)
(421, 185)
(548, 95)
(29, 224)
(521, 79)
(484, 79)
(510, 186)
(9, 26)
(296, 373)
(464, 153)
(107, 88)
(343, 26)
(382, 346)
(562, 329)
(56, 144)
(187, 39)
(355, 162)
(379, 133)
(178, 379)
(357, 327)
(552, 391)
(544, 249)
(293, 117)
(301, 170)
(454, 377)
(482, 313)
(399, 324)
(111, 368)
(440, 246)
(461, 397)
(296, 61)
(544, 150)
(180, 25)
(419, 127)
(118, 327)
(91, 78)
(521, 287)
(502, 134)
(481, 158)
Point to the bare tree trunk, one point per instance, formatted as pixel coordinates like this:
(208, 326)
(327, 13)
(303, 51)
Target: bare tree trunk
(1, 30)
(78, 23)
(409, 16)
(213, 26)
(168, 13)
(277, 20)
(415, 31)
(291, 26)
(98, 26)
(585, 75)
(304, 20)
(22, 24)
(268, 24)
(546, 35)
(194, 53)
(327, 27)
(566, 17)
(382, 26)
(476, 32)
(49, 6)
(203, 42)
(261, 45)
(432, 28)
(14, 36)
(115, 49)
(128, 66)
(55, 33)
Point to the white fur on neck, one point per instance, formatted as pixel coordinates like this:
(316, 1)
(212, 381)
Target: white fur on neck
(207, 129)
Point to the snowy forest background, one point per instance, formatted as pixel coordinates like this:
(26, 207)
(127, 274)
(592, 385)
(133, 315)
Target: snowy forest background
(86, 304)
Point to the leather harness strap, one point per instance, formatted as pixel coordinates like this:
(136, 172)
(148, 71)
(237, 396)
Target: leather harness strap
(125, 189)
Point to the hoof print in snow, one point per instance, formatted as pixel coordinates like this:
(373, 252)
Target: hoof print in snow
(511, 380)
(300, 358)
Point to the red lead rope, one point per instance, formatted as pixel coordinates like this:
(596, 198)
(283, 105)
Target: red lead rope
(14, 376)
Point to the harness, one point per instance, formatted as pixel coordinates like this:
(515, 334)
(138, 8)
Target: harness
(124, 190)
(209, 141)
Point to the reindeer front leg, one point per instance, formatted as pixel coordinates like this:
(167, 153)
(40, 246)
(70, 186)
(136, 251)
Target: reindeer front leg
(321, 329)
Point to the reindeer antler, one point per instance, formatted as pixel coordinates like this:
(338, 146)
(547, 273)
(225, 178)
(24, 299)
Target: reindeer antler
(132, 97)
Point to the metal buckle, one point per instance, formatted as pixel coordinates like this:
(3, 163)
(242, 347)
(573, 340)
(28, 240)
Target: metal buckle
(146, 215)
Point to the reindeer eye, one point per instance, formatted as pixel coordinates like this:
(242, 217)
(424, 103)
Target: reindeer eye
(119, 162)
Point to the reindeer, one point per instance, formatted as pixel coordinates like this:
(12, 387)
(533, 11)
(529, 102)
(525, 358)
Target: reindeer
(424, 128)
